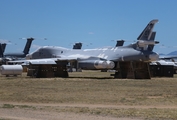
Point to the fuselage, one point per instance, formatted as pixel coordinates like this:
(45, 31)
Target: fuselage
(112, 54)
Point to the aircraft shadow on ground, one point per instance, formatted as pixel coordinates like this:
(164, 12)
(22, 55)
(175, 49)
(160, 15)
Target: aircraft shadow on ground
(93, 77)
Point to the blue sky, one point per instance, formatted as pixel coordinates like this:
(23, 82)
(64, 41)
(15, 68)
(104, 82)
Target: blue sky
(99, 22)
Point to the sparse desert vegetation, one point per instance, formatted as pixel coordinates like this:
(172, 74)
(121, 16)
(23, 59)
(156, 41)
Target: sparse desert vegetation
(92, 92)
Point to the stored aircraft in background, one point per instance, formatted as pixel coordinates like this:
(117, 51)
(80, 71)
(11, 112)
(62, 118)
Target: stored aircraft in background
(21, 54)
(2, 48)
(119, 43)
(4, 57)
(3, 44)
(167, 60)
(14, 56)
(77, 45)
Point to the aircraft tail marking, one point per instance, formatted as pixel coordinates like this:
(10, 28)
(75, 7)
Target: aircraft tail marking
(150, 47)
(146, 33)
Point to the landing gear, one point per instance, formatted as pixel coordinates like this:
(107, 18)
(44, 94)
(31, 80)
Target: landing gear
(132, 70)
(47, 71)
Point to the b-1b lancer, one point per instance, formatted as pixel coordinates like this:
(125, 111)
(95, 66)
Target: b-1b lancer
(129, 61)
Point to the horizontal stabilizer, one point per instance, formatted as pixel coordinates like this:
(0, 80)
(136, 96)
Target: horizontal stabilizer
(142, 43)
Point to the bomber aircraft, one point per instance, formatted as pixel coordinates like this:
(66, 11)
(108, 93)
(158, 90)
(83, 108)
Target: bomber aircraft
(131, 60)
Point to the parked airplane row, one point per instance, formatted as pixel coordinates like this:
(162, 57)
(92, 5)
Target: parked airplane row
(131, 60)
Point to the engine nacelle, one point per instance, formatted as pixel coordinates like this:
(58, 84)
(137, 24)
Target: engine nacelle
(95, 64)
(110, 64)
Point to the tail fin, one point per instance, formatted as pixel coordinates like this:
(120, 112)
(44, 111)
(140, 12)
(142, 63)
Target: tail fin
(28, 45)
(3, 47)
(147, 36)
(77, 46)
(120, 43)
(1, 50)
(146, 33)
(150, 47)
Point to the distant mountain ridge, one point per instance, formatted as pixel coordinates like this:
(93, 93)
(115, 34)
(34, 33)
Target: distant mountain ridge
(171, 53)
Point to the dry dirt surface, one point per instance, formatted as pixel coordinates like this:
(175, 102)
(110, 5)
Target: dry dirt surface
(18, 113)
(87, 98)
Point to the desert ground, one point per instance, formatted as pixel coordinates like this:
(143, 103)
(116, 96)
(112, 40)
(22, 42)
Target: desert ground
(88, 95)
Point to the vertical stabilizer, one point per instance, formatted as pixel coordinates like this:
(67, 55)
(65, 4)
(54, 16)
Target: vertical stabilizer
(77, 46)
(28, 45)
(1, 51)
(3, 45)
(120, 43)
(146, 33)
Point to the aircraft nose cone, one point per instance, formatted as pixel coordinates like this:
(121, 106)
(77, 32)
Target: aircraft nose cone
(154, 57)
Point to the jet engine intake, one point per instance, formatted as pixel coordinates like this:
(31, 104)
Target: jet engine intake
(110, 64)
(95, 64)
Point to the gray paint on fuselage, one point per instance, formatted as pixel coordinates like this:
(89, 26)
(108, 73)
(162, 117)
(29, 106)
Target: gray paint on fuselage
(132, 52)
(114, 54)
